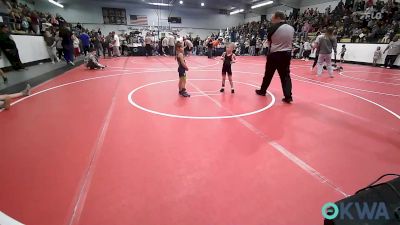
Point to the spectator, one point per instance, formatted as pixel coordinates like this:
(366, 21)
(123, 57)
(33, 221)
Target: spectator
(67, 44)
(110, 46)
(355, 34)
(5, 7)
(258, 46)
(164, 44)
(188, 46)
(296, 49)
(197, 45)
(209, 47)
(307, 50)
(377, 56)
(97, 43)
(85, 39)
(9, 47)
(340, 4)
(59, 46)
(328, 10)
(326, 43)
(51, 46)
(171, 44)
(76, 44)
(253, 43)
(148, 42)
(393, 50)
(35, 23)
(116, 44)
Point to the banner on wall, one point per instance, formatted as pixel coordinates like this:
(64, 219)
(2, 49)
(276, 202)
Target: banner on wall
(138, 20)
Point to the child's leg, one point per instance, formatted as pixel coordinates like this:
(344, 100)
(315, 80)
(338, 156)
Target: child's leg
(182, 91)
(16, 95)
(5, 103)
(231, 83)
(230, 80)
(3, 97)
(230, 76)
(180, 85)
(23, 93)
(184, 83)
(223, 82)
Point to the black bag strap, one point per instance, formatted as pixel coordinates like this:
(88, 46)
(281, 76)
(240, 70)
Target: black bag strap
(273, 29)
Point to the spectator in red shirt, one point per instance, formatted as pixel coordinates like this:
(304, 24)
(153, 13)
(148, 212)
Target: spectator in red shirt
(35, 22)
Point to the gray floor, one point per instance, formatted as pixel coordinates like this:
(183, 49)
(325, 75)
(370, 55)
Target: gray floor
(35, 75)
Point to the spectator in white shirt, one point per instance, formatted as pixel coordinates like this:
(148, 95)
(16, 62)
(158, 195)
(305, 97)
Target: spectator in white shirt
(116, 44)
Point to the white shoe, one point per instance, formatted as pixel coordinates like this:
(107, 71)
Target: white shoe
(388, 67)
(382, 66)
(52, 62)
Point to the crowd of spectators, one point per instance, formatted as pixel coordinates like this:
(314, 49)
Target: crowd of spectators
(22, 19)
(360, 21)
(355, 21)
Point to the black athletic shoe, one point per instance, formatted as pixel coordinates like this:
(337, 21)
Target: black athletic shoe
(259, 92)
(233, 91)
(222, 90)
(185, 94)
(287, 100)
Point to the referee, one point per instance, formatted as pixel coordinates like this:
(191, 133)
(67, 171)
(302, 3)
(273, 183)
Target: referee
(280, 38)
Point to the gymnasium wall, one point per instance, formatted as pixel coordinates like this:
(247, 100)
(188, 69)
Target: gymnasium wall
(256, 15)
(28, 3)
(200, 21)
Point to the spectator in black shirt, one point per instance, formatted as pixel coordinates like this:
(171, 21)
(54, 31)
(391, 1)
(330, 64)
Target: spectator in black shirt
(253, 43)
(9, 47)
(67, 44)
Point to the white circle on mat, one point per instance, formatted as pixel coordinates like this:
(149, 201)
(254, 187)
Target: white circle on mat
(130, 99)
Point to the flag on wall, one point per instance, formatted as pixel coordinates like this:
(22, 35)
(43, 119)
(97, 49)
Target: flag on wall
(138, 20)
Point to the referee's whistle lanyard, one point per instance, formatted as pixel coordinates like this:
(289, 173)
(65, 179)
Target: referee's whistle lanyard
(271, 32)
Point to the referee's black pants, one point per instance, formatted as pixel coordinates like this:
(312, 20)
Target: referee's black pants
(278, 61)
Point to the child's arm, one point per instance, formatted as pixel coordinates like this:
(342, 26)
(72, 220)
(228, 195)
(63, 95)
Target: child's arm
(183, 63)
(223, 56)
(233, 58)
